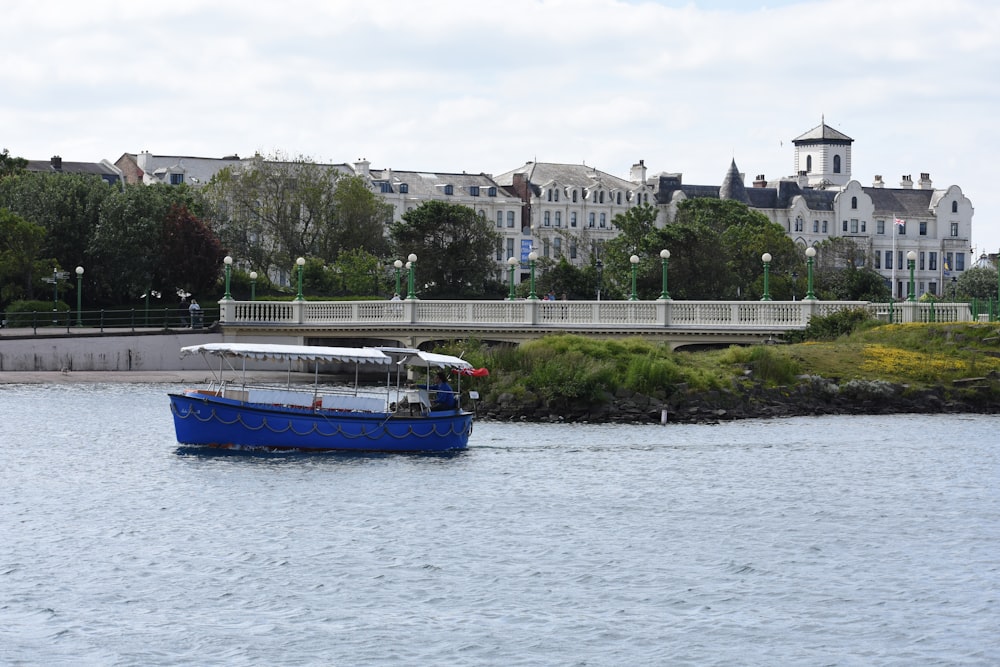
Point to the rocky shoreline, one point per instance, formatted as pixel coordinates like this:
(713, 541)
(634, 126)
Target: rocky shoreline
(811, 396)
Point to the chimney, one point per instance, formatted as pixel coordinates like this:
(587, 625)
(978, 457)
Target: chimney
(638, 174)
(760, 181)
(56, 162)
(879, 183)
(925, 181)
(907, 182)
(361, 167)
(803, 179)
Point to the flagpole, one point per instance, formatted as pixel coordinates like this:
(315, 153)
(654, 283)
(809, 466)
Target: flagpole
(895, 232)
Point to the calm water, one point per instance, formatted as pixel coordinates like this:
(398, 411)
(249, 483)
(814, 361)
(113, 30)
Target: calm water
(819, 541)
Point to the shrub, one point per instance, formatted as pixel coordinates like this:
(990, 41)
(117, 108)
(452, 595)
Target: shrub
(34, 313)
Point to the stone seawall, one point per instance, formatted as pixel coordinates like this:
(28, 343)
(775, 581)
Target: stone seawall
(147, 351)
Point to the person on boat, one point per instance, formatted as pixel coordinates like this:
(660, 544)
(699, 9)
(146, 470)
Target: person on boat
(444, 397)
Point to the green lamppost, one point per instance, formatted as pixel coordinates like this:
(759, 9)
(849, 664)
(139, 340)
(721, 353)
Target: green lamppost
(512, 262)
(810, 260)
(398, 265)
(253, 285)
(532, 256)
(228, 261)
(634, 260)
(300, 262)
(766, 259)
(664, 256)
(79, 295)
(911, 261)
(411, 264)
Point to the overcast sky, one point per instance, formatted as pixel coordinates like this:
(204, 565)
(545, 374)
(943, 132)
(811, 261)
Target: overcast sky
(485, 86)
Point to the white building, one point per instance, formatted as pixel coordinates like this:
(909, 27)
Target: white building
(822, 201)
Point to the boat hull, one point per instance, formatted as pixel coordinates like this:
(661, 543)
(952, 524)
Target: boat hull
(205, 420)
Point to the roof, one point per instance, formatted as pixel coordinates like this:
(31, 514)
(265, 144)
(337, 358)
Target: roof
(822, 133)
(275, 352)
(92, 168)
(578, 175)
(433, 183)
(901, 203)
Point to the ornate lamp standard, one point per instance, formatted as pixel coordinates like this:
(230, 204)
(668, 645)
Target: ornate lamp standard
(766, 259)
(299, 263)
(411, 264)
(79, 295)
(532, 256)
(228, 262)
(253, 285)
(911, 261)
(664, 256)
(810, 260)
(398, 264)
(634, 260)
(512, 262)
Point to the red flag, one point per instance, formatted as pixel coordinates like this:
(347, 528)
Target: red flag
(900, 221)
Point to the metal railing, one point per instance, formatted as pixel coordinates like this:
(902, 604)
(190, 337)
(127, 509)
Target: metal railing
(104, 320)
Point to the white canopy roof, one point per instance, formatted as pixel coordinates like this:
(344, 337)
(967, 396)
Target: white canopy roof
(361, 355)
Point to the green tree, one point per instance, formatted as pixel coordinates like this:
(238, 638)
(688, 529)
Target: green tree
(67, 206)
(10, 165)
(979, 282)
(454, 246)
(20, 244)
(270, 210)
(358, 221)
(190, 257)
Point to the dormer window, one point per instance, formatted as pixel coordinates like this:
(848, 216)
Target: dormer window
(574, 196)
(384, 187)
(473, 190)
(492, 192)
(404, 188)
(176, 179)
(449, 189)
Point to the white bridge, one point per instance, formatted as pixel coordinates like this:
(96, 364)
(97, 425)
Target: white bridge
(678, 323)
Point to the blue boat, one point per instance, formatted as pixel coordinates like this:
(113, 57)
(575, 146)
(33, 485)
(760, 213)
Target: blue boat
(392, 416)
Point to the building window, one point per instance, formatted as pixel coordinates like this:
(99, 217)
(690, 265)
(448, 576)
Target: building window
(572, 217)
(404, 188)
(547, 217)
(880, 226)
(854, 225)
(572, 248)
(854, 202)
(960, 261)
(809, 163)
(473, 190)
(954, 207)
(932, 261)
(799, 224)
(901, 228)
(176, 179)
(546, 250)
(510, 248)
(500, 219)
(923, 228)
(815, 226)
(888, 259)
(590, 220)
(921, 257)
(619, 197)
(954, 229)
(499, 249)
(824, 226)
(492, 192)
(556, 195)
(482, 213)
(510, 219)
(449, 189)
(604, 220)
(558, 218)
(574, 196)
(864, 226)
(836, 165)
(845, 226)
(602, 196)
(557, 247)
(878, 260)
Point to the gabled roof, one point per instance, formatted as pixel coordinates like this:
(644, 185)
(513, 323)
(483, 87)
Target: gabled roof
(64, 167)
